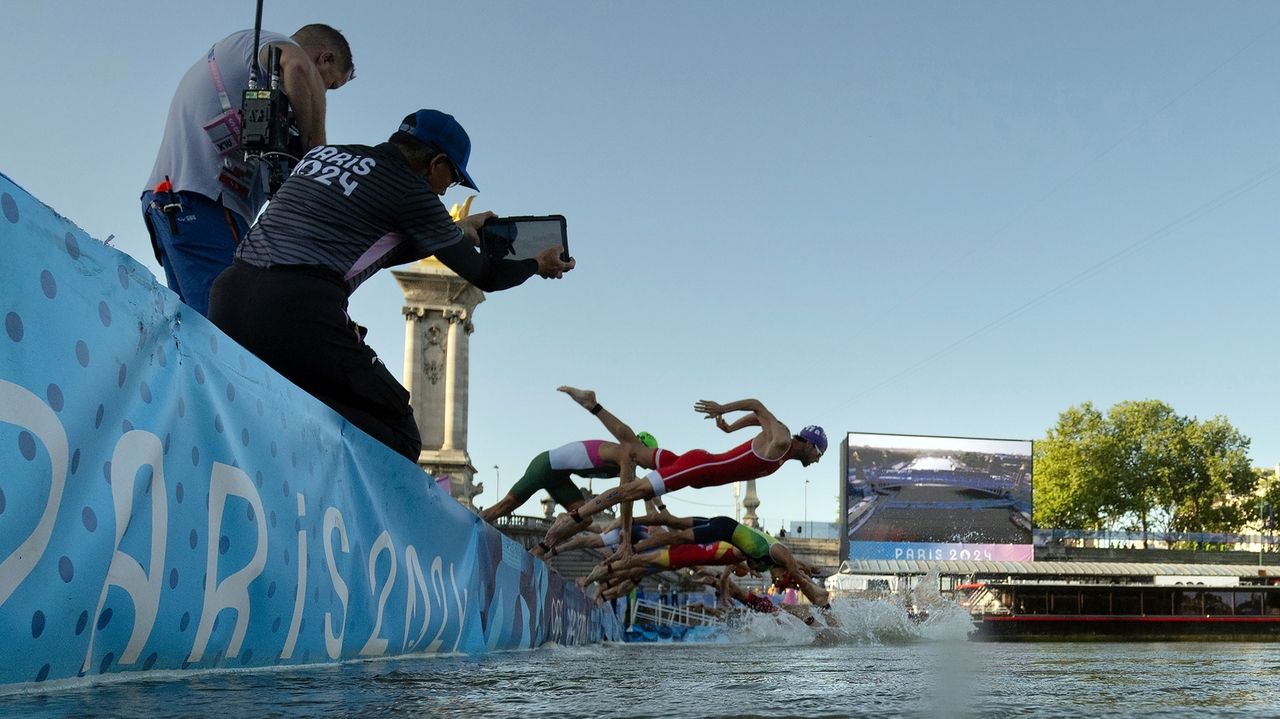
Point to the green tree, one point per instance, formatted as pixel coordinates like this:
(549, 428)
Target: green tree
(1070, 483)
(1141, 461)
(1211, 480)
(1142, 466)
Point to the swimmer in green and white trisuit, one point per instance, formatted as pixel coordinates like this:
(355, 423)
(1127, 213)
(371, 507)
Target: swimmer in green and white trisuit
(593, 458)
(554, 469)
(621, 459)
(760, 550)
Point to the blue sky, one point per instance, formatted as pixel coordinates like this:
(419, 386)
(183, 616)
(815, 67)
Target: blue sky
(917, 218)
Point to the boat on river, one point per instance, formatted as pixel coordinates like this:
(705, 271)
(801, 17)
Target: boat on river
(1082, 601)
(1010, 611)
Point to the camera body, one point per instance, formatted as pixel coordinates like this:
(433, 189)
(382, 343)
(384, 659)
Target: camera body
(267, 122)
(268, 132)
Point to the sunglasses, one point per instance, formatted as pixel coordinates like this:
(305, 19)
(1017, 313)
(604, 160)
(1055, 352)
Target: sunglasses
(454, 173)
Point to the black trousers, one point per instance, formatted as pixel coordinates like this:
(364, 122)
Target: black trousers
(295, 319)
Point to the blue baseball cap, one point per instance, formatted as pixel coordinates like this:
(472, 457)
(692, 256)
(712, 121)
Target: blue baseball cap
(441, 130)
(814, 435)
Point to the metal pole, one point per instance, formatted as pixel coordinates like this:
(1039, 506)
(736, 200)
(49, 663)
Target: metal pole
(1262, 528)
(497, 483)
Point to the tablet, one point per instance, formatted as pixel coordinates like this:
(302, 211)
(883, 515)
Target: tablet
(521, 238)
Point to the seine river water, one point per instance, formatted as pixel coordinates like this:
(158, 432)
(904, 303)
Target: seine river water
(881, 665)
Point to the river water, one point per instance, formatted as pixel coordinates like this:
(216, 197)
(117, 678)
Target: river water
(879, 665)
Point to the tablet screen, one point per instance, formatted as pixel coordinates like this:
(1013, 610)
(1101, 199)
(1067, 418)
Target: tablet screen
(520, 238)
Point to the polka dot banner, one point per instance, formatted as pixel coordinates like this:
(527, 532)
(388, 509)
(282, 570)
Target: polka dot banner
(153, 517)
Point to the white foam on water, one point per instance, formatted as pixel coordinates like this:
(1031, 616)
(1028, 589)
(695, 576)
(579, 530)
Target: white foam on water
(924, 615)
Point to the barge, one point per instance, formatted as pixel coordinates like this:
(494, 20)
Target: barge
(1095, 601)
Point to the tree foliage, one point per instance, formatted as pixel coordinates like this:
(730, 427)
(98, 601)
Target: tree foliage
(1143, 467)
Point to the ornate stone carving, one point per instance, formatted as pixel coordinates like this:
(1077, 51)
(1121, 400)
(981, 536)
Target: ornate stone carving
(435, 352)
(431, 369)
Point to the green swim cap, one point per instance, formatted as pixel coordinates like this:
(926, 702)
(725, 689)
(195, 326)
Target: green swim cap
(647, 440)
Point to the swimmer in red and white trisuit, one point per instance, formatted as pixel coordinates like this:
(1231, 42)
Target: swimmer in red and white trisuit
(763, 455)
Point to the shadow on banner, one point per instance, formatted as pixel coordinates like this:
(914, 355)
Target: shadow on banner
(170, 502)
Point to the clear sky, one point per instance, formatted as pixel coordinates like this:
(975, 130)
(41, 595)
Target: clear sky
(920, 218)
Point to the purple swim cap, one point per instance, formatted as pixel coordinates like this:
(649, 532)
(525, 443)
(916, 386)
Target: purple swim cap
(814, 435)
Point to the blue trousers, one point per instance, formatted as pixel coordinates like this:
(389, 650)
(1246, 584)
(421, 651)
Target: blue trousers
(203, 246)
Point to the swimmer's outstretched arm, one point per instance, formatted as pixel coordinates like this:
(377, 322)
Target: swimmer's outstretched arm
(626, 473)
(757, 415)
(588, 539)
(775, 433)
(723, 586)
(665, 539)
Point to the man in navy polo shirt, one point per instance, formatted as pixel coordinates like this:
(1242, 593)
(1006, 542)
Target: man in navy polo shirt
(346, 212)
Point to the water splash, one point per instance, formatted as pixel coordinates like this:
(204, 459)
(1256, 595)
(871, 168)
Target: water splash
(921, 615)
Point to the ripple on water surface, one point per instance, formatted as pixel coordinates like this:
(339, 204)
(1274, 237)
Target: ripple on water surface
(881, 665)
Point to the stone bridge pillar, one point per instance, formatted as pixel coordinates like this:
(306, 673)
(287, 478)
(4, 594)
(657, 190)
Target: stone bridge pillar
(438, 309)
(751, 503)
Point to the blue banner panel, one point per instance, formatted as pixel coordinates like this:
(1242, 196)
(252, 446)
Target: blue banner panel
(942, 551)
(168, 501)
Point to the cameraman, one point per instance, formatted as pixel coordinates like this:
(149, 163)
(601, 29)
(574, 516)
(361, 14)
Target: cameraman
(202, 194)
(346, 212)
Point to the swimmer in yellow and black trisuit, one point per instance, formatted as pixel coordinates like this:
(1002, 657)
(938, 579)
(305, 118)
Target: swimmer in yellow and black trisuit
(759, 550)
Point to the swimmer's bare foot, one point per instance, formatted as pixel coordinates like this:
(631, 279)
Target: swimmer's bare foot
(584, 397)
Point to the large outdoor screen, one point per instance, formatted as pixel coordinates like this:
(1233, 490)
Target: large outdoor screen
(935, 498)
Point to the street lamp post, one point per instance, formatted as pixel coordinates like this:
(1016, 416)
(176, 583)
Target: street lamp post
(807, 528)
(497, 484)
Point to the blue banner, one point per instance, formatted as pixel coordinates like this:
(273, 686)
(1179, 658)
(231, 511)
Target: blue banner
(942, 551)
(168, 501)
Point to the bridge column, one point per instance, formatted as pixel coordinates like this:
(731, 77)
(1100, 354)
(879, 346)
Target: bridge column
(750, 503)
(438, 310)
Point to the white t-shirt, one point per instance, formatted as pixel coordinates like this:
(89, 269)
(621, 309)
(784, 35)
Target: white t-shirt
(187, 155)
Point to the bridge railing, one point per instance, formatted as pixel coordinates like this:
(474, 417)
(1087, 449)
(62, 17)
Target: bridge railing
(646, 611)
(521, 522)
